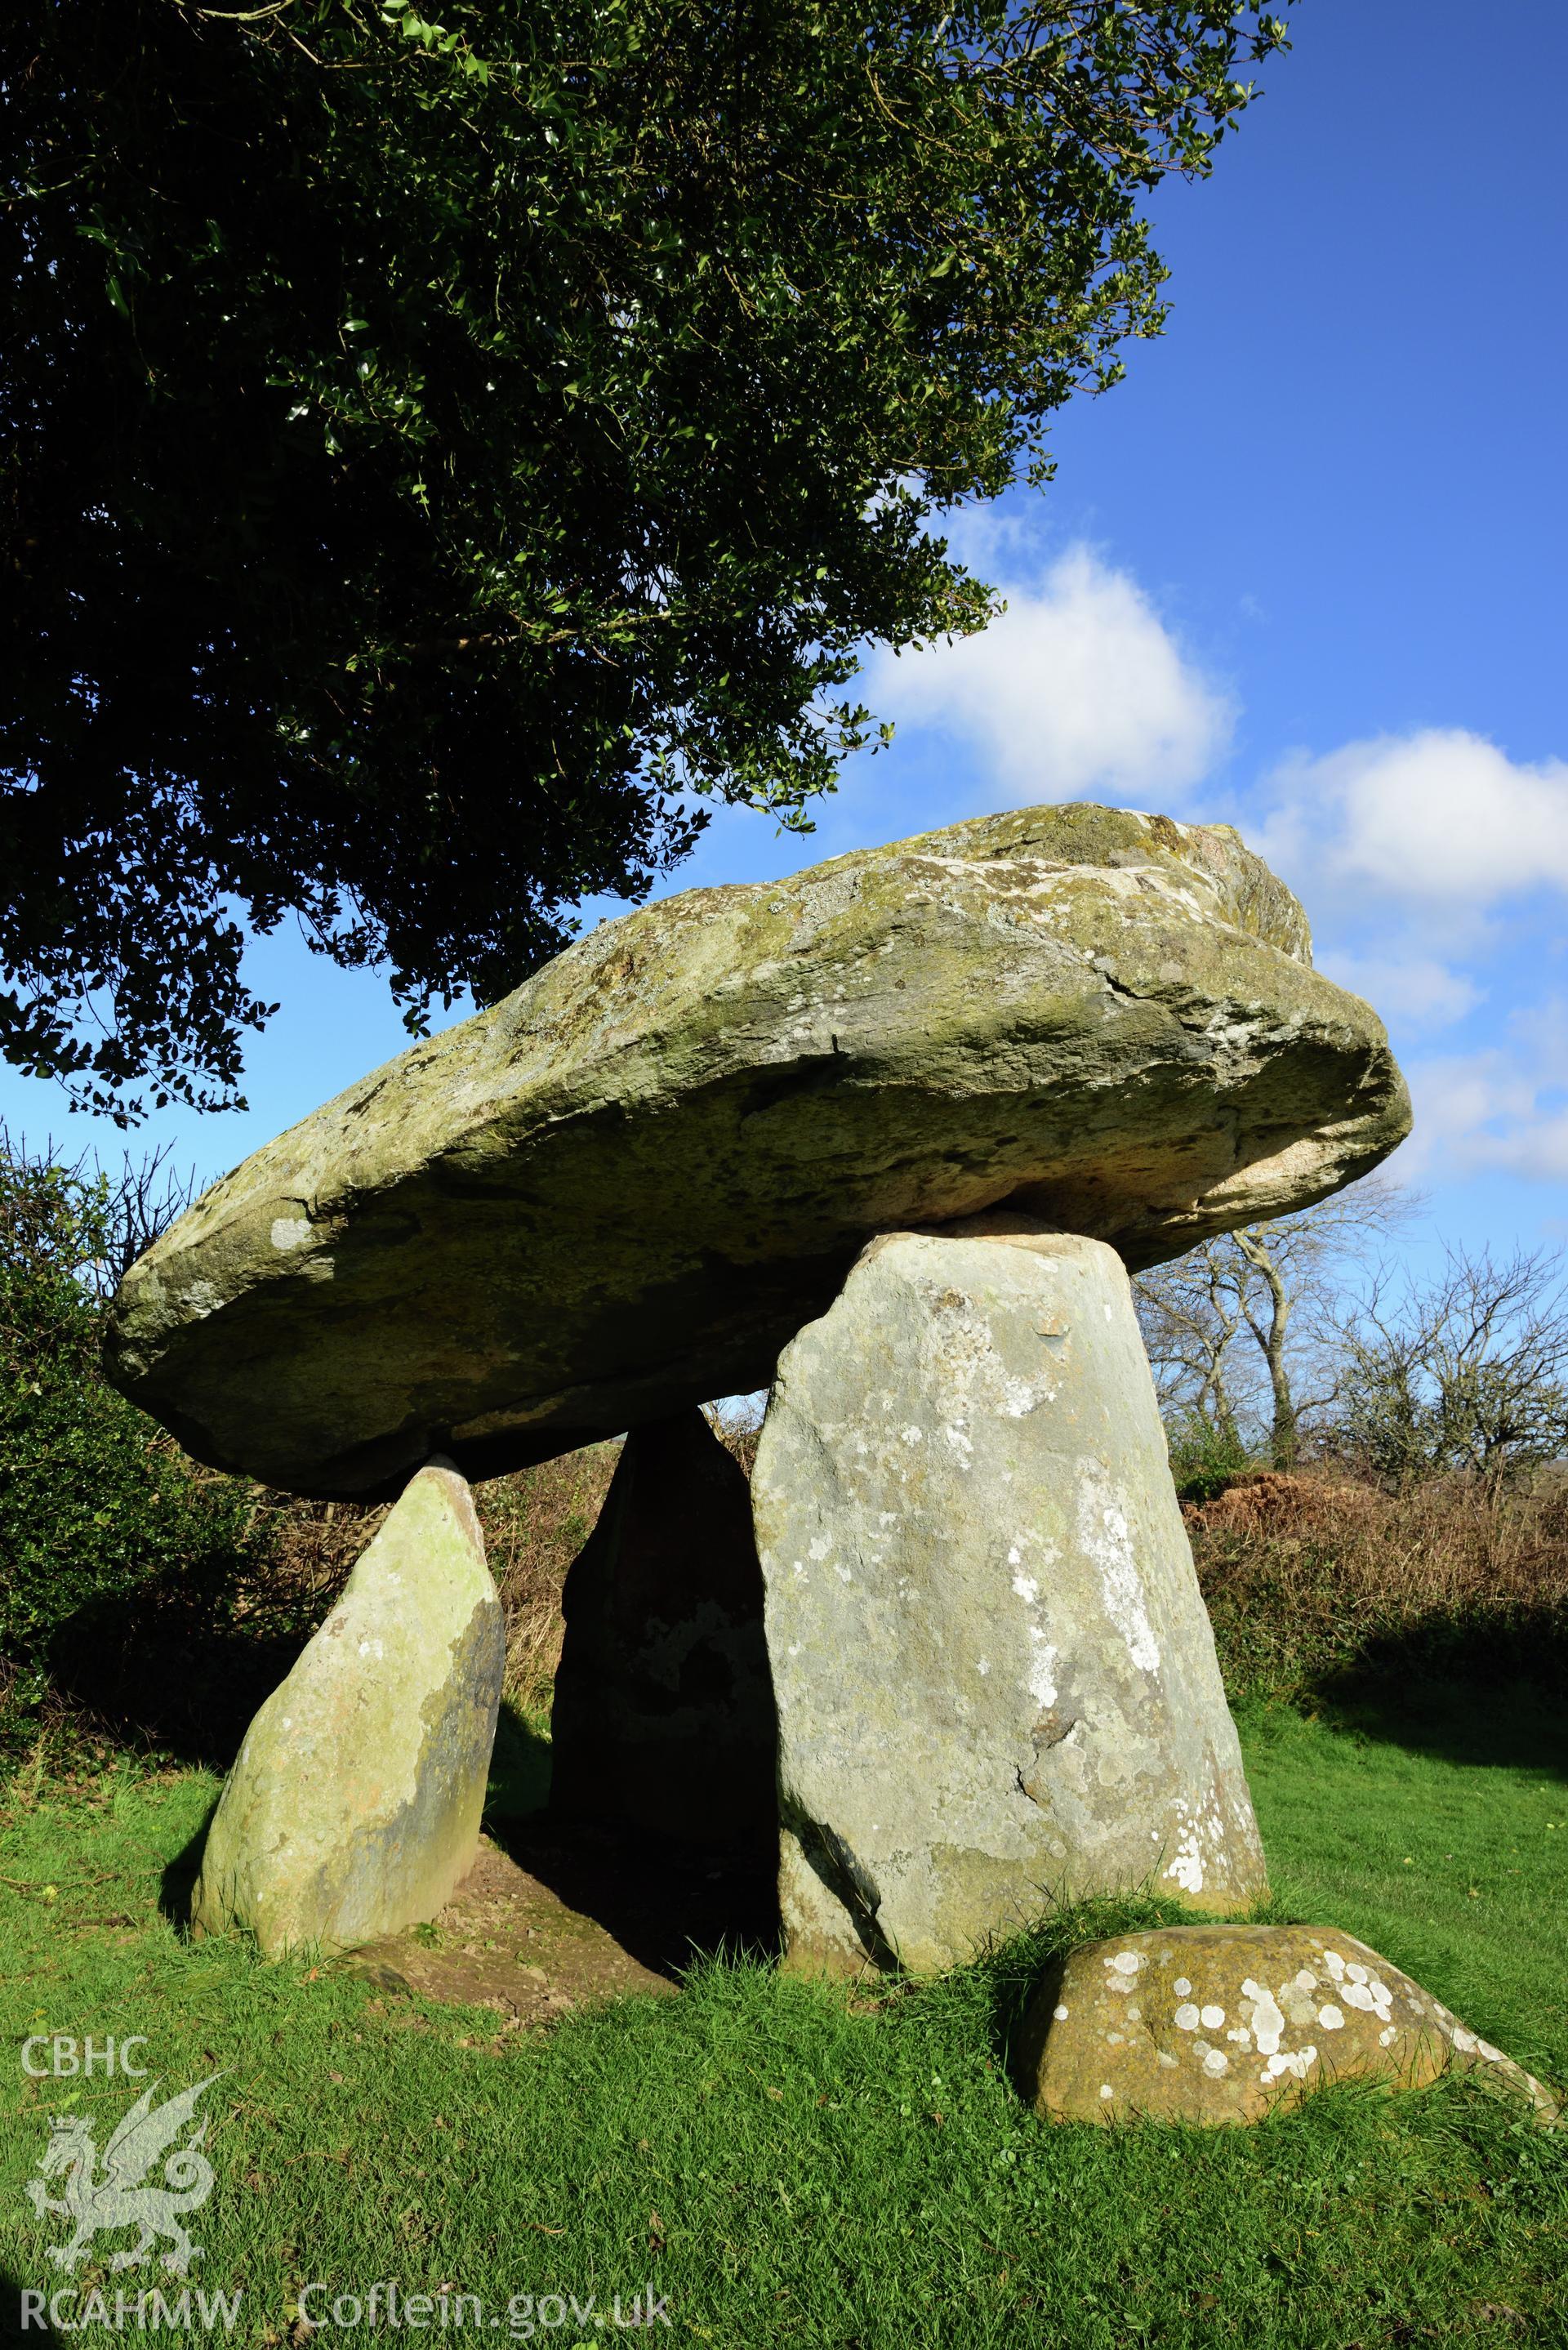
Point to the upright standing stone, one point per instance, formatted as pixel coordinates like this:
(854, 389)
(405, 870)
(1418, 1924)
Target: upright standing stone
(994, 1674)
(663, 1714)
(354, 1807)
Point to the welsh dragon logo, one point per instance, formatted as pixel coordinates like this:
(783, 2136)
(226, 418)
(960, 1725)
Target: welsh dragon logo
(108, 2192)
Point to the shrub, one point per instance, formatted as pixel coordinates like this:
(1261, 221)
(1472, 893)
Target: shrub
(95, 1502)
(1204, 1458)
(1310, 1581)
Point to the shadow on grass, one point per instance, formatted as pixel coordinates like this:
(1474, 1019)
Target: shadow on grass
(666, 1902)
(37, 2330)
(1518, 1723)
(178, 1882)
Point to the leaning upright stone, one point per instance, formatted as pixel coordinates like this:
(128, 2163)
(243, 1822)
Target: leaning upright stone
(354, 1807)
(663, 1714)
(995, 1679)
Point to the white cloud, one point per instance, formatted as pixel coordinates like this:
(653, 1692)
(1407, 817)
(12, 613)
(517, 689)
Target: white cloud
(1501, 1109)
(1406, 851)
(1486, 1111)
(1078, 689)
(1415, 988)
(1441, 818)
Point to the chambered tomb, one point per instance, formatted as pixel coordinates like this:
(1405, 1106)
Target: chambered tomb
(896, 1129)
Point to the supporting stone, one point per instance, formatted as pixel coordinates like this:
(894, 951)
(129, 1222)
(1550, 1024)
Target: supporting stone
(994, 1675)
(663, 1713)
(355, 1805)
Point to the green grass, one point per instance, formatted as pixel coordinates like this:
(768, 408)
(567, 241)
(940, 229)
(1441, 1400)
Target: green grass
(785, 2166)
(1438, 1832)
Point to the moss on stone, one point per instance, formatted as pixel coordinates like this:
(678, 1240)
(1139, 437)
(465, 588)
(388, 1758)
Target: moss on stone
(624, 1189)
(354, 1807)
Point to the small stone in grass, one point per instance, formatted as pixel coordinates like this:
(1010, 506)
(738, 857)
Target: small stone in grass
(1307, 2005)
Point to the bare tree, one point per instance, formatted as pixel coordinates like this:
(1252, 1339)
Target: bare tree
(1460, 1371)
(1190, 1314)
(132, 1204)
(1244, 1332)
(142, 1200)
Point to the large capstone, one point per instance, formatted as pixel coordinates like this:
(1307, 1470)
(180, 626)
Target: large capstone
(621, 1190)
(354, 1807)
(995, 1679)
(663, 1714)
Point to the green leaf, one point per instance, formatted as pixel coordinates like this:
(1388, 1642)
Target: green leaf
(674, 362)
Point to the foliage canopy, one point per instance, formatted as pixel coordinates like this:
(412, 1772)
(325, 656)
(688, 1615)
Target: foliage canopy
(431, 452)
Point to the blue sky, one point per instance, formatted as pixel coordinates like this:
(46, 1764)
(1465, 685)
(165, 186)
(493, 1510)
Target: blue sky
(1303, 572)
